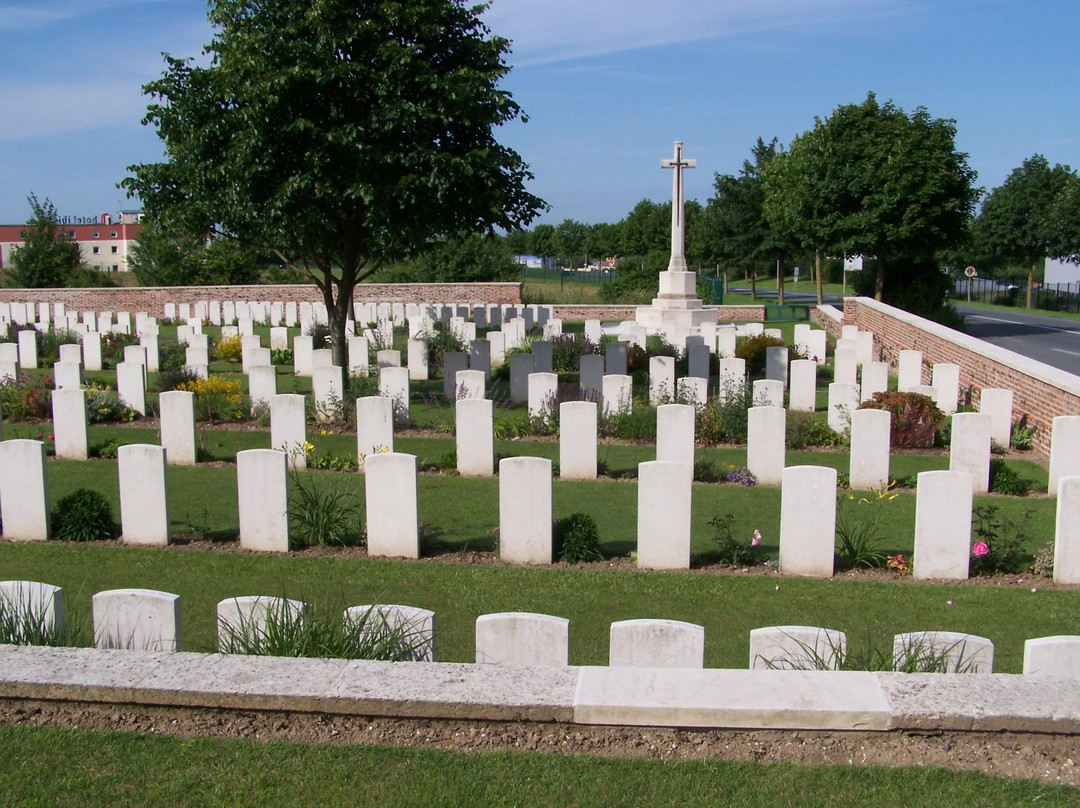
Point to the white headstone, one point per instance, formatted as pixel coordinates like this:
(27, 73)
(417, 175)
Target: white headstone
(943, 525)
(390, 496)
(969, 449)
(144, 500)
(1064, 450)
(869, 456)
(656, 644)
(663, 531)
(24, 491)
(525, 510)
(675, 433)
(262, 479)
(802, 392)
(374, 426)
(288, 428)
(797, 648)
(520, 638)
(474, 420)
(1067, 532)
(997, 402)
(394, 384)
(808, 521)
(945, 380)
(766, 443)
(70, 424)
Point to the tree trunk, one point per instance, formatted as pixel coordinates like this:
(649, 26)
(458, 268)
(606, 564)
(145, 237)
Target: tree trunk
(337, 312)
(753, 285)
(1030, 284)
(879, 283)
(780, 281)
(818, 263)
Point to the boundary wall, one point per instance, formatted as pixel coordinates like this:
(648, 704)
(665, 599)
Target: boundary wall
(1040, 391)
(152, 299)
(622, 696)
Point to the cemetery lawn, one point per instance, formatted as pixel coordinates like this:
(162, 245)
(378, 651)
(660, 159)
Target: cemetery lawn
(67, 767)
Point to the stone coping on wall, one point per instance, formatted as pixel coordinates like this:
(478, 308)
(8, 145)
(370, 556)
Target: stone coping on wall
(654, 697)
(1049, 374)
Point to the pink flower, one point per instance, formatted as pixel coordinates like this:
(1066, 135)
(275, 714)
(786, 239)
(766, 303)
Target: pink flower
(51, 436)
(980, 548)
(754, 542)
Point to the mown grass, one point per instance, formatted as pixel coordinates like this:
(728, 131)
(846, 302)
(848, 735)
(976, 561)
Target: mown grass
(728, 606)
(77, 767)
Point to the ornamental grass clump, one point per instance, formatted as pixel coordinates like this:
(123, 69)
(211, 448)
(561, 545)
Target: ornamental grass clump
(285, 629)
(859, 530)
(26, 621)
(329, 512)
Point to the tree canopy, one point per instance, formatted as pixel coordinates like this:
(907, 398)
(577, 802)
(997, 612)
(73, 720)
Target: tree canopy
(46, 257)
(1021, 221)
(337, 134)
(873, 180)
(163, 257)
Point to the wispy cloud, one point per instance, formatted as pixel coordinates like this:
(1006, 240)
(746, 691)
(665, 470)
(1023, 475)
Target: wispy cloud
(561, 30)
(50, 109)
(19, 17)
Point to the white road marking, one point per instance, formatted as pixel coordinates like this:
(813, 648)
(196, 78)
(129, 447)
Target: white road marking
(1064, 351)
(1021, 322)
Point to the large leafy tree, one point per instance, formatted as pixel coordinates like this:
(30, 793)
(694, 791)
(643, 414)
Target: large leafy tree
(740, 231)
(339, 134)
(873, 180)
(1020, 220)
(46, 257)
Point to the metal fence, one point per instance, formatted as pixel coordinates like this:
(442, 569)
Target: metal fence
(594, 276)
(1049, 297)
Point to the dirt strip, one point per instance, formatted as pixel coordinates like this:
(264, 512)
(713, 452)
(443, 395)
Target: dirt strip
(1049, 758)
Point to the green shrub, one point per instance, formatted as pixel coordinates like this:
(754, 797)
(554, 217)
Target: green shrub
(281, 356)
(805, 430)
(83, 515)
(50, 341)
(104, 406)
(753, 350)
(112, 348)
(915, 418)
(442, 340)
(576, 538)
(724, 419)
(229, 349)
(175, 378)
(172, 356)
(1022, 436)
(26, 397)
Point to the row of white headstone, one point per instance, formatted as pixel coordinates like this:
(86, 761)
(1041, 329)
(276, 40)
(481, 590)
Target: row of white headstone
(942, 542)
(144, 619)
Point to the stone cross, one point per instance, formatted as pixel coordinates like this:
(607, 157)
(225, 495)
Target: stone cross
(678, 252)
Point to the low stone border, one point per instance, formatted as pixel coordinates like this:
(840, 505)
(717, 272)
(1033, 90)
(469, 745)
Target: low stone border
(648, 697)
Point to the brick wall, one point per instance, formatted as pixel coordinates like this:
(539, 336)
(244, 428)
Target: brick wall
(1040, 392)
(153, 299)
(829, 318)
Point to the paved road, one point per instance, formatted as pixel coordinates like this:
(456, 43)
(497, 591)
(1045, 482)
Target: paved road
(1053, 340)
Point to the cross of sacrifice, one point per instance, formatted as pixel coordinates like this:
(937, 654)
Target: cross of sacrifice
(677, 239)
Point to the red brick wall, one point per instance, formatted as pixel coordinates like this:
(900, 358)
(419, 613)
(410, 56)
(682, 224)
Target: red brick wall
(153, 299)
(589, 311)
(1040, 392)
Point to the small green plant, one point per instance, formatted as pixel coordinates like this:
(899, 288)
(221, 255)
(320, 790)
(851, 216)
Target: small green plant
(1022, 436)
(281, 356)
(576, 538)
(83, 515)
(1005, 480)
(104, 406)
(998, 540)
(858, 528)
(737, 552)
(1044, 560)
(323, 514)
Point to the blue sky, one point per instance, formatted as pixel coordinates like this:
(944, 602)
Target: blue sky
(608, 85)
